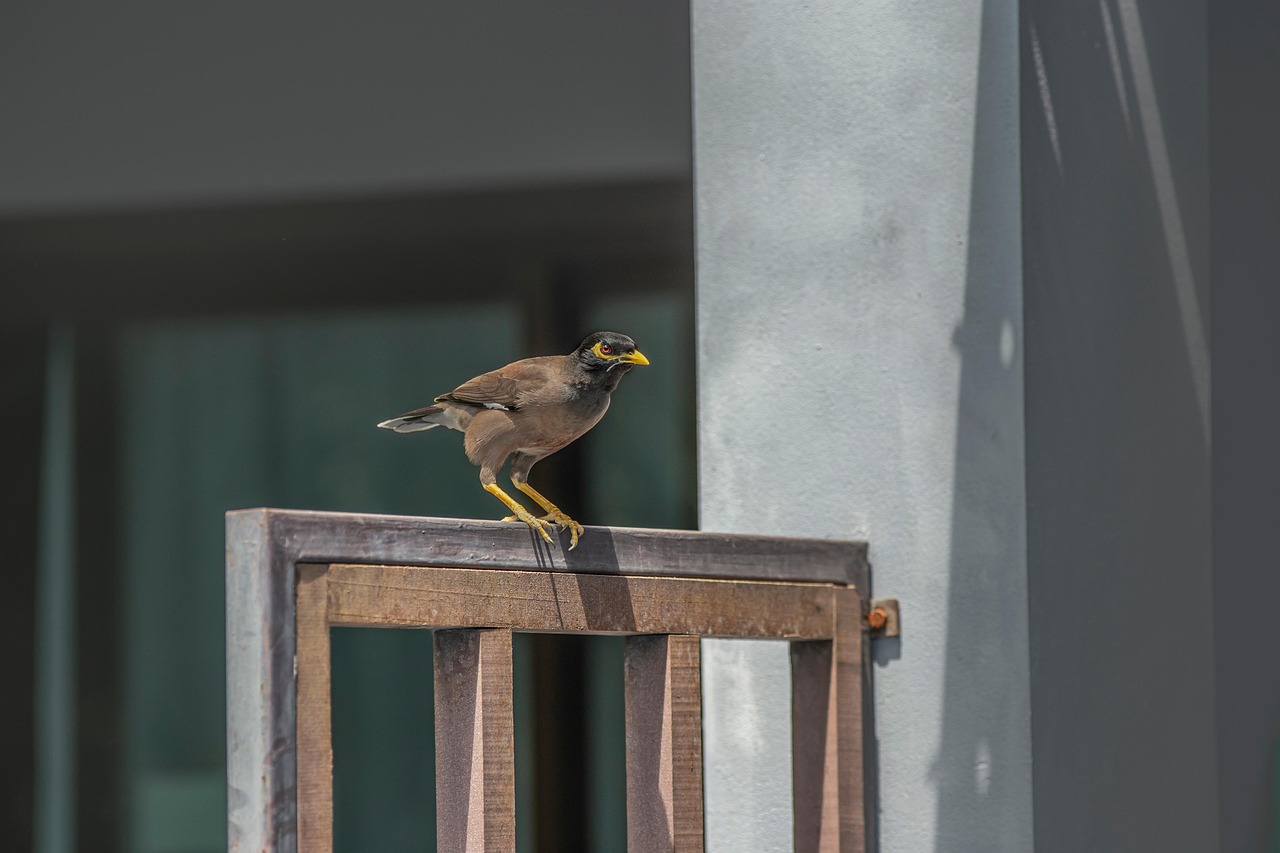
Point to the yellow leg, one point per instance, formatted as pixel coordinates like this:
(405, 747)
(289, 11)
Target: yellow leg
(554, 513)
(521, 514)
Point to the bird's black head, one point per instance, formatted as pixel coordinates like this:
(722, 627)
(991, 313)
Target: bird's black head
(612, 352)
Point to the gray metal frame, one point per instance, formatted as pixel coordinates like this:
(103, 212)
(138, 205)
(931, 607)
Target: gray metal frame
(265, 546)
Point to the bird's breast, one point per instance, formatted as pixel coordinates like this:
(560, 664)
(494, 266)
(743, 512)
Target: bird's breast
(547, 430)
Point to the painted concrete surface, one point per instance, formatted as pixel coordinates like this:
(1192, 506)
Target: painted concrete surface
(746, 689)
(860, 376)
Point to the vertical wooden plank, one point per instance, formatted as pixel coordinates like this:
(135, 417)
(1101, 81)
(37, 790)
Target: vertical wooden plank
(827, 773)
(475, 742)
(849, 641)
(315, 731)
(664, 744)
(262, 796)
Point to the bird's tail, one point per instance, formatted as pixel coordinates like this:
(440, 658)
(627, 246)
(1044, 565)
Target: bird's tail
(428, 417)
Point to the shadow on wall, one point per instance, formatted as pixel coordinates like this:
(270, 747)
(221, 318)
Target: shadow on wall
(984, 793)
(1114, 190)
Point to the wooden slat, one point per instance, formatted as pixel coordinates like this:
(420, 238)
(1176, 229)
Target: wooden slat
(475, 742)
(336, 537)
(262, 796)
(426, 597)
(664, 744)
(826, 745)
(849, 662)
(315, 731)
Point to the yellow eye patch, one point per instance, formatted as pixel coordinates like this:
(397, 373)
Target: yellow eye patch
(605, 352)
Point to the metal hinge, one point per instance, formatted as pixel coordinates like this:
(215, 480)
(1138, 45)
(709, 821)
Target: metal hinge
(882, 618)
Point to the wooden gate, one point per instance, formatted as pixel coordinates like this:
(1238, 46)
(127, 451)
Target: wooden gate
(293, 575)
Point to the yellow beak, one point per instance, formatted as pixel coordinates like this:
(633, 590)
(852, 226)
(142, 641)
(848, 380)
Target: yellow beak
(636, 357)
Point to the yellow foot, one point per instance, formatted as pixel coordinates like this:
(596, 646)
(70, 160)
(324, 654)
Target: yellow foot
(557, 518)
(528, 518)
(575, 529)
(521, 514)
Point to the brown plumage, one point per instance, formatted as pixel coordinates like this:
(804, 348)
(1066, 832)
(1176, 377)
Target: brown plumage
(530, 409)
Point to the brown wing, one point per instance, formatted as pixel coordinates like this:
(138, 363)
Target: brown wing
(508, 387)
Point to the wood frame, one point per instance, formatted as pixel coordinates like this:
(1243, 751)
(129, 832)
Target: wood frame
(291, 575)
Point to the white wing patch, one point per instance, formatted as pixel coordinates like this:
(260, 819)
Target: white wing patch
(498, 406)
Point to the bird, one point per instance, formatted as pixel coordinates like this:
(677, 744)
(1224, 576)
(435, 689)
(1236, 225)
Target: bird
(528, 410)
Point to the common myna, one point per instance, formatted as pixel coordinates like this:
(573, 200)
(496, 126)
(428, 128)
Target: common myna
(530, 408)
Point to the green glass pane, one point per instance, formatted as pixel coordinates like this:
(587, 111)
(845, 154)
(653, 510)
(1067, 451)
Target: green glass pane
(383, 741)
(641, 458)
(217, 415)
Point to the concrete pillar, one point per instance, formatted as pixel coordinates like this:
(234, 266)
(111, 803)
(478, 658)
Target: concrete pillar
(860, 376)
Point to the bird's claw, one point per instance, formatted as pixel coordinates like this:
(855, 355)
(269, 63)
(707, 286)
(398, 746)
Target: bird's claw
(534, 523)
(574, 528)
(557, 518)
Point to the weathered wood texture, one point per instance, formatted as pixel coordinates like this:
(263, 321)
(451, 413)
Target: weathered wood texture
(475, 742)
(545, 589)
(425, 597)
(262, 796)
(315, 726)
(850, 666)
(826, 733)
(664, 744)
(336, 537)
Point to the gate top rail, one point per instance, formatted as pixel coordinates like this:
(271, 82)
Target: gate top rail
(304, 536)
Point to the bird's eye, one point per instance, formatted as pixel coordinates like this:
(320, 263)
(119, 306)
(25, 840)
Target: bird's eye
(605, 349)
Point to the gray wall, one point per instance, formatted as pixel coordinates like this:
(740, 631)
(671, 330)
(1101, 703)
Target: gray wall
(860, 376)
(1244, 88)
(149, 102)
(1116, 290)
(1244, 137)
